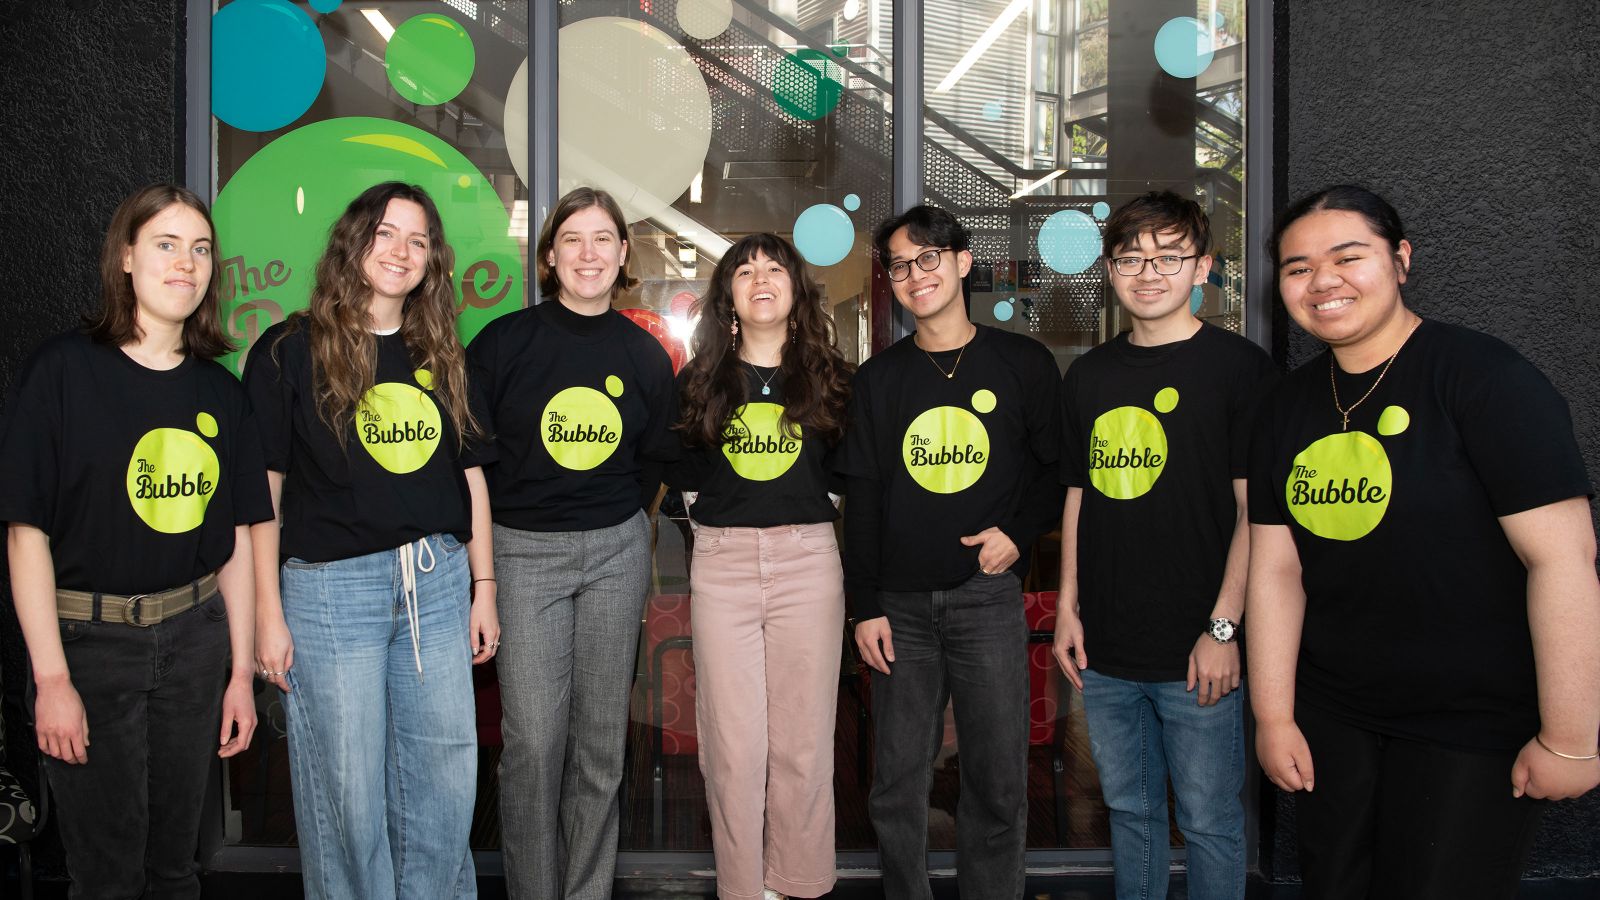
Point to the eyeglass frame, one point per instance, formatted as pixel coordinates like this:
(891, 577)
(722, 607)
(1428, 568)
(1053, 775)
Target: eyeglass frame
(1151, 262)
(936, 251)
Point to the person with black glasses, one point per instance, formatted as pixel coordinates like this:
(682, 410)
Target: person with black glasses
(950, 465)
(1154, 545)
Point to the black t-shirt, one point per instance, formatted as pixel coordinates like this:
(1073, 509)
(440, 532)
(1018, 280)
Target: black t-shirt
(929, 459)
(398, 476)
(1416, 619)
(138, 476)
(581, 409)
(1155, 436)
(762, 475)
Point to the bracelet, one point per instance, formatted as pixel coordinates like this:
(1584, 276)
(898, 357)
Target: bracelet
(476, 580)
(1565, 755)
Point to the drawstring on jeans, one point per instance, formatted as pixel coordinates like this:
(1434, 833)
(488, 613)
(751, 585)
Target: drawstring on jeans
(409, 567)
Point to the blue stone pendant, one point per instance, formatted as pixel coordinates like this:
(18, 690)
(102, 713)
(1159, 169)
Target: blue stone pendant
(765, 390)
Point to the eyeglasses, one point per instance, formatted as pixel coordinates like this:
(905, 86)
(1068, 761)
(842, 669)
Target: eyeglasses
(1164, 265)
(927, 261)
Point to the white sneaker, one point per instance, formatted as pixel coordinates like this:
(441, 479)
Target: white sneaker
(770, 894)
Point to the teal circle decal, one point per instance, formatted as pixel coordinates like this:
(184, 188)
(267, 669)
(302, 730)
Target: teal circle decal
(430, 59)
(1004, 310)
(823, 234)
(274, 214)
(852, 202)
(1183, 47)
(992, 111)
(267, 64)
(1101, 210)
(1069, 242)
(325, 6)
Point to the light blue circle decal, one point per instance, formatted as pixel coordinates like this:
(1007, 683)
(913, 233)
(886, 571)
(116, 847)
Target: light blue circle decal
(823, 234)
(1005, 309)
(1069, 242)
(992, 110)
(325, 6)
(1183, 47)
(1218, 20)
(1196, 297)
(852, 202)
(267, 64)
(1101, 210)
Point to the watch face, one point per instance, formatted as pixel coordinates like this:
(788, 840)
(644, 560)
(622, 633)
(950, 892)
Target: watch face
(1222, 630)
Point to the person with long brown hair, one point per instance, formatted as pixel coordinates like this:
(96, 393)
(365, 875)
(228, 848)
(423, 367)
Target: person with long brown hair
(130, 472)
(581, 404)
(763, 408)
(385, 595)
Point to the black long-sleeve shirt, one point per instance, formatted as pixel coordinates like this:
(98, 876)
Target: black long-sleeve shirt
(929, 459)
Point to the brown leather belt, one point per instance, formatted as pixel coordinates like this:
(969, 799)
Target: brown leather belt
(142, 610)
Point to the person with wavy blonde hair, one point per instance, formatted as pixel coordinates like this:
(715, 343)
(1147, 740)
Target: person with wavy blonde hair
(385, 595)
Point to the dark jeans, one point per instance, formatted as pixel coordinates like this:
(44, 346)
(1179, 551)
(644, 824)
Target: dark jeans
(130, 817)
(1394, 818)
(968, 645)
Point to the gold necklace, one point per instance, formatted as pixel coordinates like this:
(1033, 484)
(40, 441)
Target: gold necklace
(1332, 365)
(952, 372)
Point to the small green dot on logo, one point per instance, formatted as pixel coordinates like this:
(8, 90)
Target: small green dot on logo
(206, 424)
(1166, 400)
(424, 378)
(1393, 421)
(983, 401)
(614, 385)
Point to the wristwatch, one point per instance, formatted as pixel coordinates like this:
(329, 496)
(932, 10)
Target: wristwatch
(1223, 630)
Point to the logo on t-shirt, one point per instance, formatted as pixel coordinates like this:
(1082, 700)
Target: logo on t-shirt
(581, 427)
(946, 449)
(756, 443)
(173, 476)
(1339, 486)
(1128, 448)
(399, 424)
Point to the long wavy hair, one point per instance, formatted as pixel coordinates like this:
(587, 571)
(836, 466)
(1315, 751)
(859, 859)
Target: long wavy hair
(344, 351)
(117, 321)
(816, 377)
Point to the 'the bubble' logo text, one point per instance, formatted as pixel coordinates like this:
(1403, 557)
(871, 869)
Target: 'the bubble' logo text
(1128, 448)
(946, 449)
(1339, 487)
(400, 425)
(757, 444)
(172, 476)
(581, 427)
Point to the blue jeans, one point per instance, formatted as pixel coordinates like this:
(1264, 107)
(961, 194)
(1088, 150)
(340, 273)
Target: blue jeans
(1142, 732)
(384, 759)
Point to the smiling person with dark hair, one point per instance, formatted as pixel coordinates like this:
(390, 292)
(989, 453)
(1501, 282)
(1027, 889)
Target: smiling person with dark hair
(1422, 596)
(950, 466)
(129, 474)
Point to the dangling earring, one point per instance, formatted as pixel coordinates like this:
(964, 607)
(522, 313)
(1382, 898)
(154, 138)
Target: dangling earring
(734, 330)
(792, 331)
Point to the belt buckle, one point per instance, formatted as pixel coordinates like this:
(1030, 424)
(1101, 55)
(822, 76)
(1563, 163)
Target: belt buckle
(130, 611)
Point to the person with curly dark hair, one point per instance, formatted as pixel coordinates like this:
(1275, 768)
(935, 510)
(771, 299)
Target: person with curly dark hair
(763, 408)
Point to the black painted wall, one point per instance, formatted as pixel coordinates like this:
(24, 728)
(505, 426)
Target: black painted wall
(92, 111)
(1480, 122)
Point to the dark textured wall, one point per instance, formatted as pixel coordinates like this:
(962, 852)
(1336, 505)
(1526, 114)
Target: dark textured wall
(92, 111)
(1480, 122)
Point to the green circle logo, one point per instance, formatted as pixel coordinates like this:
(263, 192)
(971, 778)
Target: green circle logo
(399, 425)
(1128, 448)
(946, 449)
(581, 426)
(1339, 486)
(756, 443)
(172, 477)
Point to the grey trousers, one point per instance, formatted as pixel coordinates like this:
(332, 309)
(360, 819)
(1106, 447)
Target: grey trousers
(570, 605)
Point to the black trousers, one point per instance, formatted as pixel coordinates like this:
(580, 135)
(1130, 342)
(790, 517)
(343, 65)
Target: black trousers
(1393, 818)
(130, 816)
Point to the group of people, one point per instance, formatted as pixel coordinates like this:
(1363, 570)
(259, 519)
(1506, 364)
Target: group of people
(1400, 527)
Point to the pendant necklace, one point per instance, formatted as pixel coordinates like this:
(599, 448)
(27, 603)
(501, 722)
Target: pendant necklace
(766, 383)
(1345, 413)
(952, 373)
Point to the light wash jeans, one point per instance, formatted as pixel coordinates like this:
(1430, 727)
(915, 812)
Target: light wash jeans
(384, 760)
(1142, 732)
